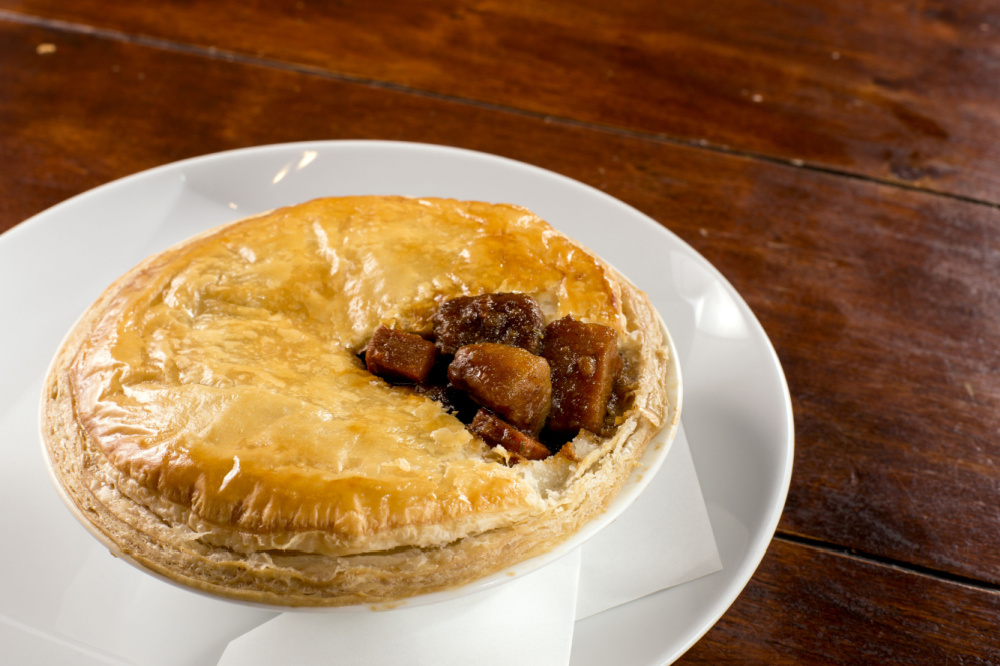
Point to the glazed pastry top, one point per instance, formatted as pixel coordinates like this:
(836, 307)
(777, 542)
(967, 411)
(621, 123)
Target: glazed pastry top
(224, 376)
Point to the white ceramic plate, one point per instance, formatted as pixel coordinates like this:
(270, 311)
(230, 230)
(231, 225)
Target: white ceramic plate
(737, 411)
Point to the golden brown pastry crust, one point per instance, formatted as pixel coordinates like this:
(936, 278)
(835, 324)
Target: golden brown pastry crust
(209, 418)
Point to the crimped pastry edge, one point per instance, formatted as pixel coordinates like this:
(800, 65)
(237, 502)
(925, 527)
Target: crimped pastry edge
(290, 580)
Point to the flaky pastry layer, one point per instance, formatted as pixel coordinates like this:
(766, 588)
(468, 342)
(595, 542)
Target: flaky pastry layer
(210, 418)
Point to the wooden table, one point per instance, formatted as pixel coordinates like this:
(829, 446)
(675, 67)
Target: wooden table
(838, 161)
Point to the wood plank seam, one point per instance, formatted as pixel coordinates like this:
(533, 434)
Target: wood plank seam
(245, 59)
(905, 567)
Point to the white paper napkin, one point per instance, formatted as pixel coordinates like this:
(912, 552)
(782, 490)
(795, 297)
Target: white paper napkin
(526, 621)
(662, 540)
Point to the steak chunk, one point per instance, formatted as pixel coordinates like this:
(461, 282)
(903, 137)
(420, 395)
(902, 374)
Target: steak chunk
(496, 432)
(509, 319)
(585, 365)
(513, 383)
(398, 355)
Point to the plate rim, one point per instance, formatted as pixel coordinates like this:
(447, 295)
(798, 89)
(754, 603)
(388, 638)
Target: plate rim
(757, 544)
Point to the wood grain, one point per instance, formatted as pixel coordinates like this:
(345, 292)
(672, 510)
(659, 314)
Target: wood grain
(882, 302)
(806, 606)
(874, 296)
(822, 82)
